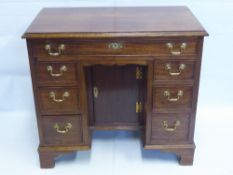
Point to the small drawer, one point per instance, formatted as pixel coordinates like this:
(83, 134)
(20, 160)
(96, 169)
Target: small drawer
(170, 128)
(62, 130)
(177, 97)
(56, 72)
(47, 49)
(58, 100)
(174, 70)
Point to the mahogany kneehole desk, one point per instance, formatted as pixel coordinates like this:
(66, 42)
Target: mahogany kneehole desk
(115, 69)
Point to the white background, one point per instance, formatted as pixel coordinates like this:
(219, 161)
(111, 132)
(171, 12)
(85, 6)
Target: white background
(117, 152)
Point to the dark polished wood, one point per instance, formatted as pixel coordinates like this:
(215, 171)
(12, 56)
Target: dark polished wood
(117, 107)
(159, 134)
(56, 73)
(156, 47)
(52, 137)
(185, 152)
(48, 106)
(124, 21)
(162, 73)
(115, 69)
(162, 101)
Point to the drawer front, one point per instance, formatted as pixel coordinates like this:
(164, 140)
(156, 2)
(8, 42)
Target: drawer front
(59, 100)
(177, 97)
(174, 70)
(56, 72)
(170, 128)
(60, 48)
(62, 130)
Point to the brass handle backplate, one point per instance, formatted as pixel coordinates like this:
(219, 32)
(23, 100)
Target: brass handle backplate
(65, 95)
(173, 128)
(115, 45)
(168, 95)
(60, 48)
(62, 69)
(169, 69)
(170, 46)
(64, 130)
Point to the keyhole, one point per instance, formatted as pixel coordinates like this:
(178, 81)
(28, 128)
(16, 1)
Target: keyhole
(95, 92)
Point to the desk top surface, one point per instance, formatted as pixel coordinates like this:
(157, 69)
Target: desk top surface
(114, 22)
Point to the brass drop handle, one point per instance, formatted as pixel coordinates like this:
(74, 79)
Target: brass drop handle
(65, 95)
(173, 128)
(64, 130)
(168, 95)
(170, 46)
(62, 69)
(60, 48)
(169, 69)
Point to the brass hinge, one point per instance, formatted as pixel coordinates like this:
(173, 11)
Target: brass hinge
(138, 73)
(138, 107)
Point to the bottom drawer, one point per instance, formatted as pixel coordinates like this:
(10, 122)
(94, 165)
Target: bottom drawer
(62, 130)
(170, 128)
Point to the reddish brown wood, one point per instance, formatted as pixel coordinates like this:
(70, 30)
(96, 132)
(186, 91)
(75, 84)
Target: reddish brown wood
(161, 72)
(160, 101)
(101, 46)
(148, 103)
(117, 126)
(47, 159)
(186, 156)
(54, 138)
(124, 21)
(185, 152)
(159, 134)
(196, 87)
(88, 38)
(84, 105)
(48, 154)
(117, 107)
(56, 75)
(48, 106)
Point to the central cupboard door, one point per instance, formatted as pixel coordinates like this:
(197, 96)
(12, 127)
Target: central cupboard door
(116, 90)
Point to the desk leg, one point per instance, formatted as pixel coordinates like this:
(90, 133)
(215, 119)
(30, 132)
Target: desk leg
(48, 154)
(186, 156)
(47, 159)
(185, 153)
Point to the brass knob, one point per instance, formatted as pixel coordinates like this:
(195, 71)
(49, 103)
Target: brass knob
(168, 95)
(60, 48)
(65, 95)
(62, 69)
(170, 46)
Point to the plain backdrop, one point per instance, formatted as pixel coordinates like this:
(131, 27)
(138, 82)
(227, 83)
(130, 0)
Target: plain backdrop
(117, 152)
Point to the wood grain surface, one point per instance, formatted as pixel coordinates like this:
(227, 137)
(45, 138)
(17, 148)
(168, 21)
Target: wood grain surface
(114, 21)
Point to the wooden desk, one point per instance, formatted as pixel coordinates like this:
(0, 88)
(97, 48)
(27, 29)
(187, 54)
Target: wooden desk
(115, 69)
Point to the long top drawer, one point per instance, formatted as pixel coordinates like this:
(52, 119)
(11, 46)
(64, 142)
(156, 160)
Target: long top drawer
(63, 48)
